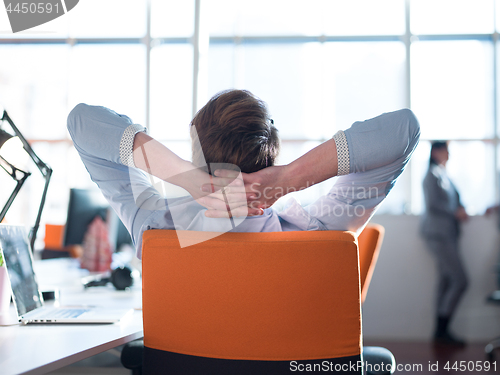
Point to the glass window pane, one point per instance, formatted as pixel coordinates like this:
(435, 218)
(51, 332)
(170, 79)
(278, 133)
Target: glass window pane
(33, 81)
(172, 18)
(497, 14)
(362, 80)
(262, 17)
(180, 148)
(171, 91)
(55, 155)
(109, 18)
(68, 171)
(315, 17)
(451, 16)
(111, 75)
(222, 17)
(322, 88)
(452, 88)
(221, 67)
(363, 17)
(8, 185)
(471, 169)
(292, 89)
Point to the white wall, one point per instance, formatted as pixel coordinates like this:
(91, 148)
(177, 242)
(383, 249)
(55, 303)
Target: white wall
(400, 300)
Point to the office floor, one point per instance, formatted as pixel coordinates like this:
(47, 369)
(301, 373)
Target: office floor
(415, 356)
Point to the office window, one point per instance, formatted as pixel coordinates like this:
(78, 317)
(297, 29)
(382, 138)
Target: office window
(477, 183)
(364, 17)
(33, 90)
(264, 18)
(222, 62)
(172, 18)
(320, 65)
(108, 19)
(111, 75)
(452, 17)
(366, 79)
(458, 105)
(322, 87)
(288, 78)
(311, 18)
(171, 91)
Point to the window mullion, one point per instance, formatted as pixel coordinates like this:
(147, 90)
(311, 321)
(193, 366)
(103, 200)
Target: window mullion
(147, 42)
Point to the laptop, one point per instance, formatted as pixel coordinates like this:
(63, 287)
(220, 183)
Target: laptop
(27, 297)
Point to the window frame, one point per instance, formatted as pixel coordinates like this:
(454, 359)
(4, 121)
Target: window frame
(201, 39)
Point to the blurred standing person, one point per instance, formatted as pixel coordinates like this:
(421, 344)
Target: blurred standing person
(440, 228)
(494, 210)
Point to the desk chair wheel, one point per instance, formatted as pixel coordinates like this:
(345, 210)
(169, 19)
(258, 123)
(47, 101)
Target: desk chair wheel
(378, 361)
(132, 355)
(490, 349)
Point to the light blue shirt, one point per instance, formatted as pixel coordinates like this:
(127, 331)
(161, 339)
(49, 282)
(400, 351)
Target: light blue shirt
(377, 149)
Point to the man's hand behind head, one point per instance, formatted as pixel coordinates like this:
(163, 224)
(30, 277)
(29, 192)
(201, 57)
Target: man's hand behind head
(262, 188)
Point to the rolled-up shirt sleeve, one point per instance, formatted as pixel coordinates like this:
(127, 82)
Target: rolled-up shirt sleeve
(104, 141)
(382, 140)
(344, 162)
(127, 144)
(376, 154)
(100, 132)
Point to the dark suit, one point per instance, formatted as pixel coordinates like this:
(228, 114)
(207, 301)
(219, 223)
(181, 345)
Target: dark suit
(440, 229)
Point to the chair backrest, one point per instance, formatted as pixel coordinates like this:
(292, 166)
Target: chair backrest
(277, 296)
(369, 242)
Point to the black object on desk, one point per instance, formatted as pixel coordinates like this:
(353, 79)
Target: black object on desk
(120, 277)
(50, 295)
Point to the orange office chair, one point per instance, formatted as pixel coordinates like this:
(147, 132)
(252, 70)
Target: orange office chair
(369, 243)
(251, 303)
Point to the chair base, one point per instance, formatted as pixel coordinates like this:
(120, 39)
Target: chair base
(491, 347)
(132, 356)
(140, 359)
(495, 344)
(161, 362)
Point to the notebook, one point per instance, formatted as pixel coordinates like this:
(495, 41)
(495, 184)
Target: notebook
(26, 294)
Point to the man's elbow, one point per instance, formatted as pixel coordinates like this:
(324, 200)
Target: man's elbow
(412, 123)
(74, 117)
(410, 132)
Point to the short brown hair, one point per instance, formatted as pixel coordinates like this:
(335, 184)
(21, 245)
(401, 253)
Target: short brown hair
(234, 127)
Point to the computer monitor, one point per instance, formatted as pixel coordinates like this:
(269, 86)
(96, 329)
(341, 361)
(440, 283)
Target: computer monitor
(84, 205)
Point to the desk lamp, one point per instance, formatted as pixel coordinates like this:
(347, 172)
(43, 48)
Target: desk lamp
(18, 174)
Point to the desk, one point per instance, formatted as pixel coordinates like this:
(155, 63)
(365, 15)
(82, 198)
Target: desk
(39, 349)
